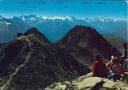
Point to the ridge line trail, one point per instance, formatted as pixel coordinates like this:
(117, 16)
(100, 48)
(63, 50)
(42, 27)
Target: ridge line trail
(26, 61)
(32, 35)
(18, 68)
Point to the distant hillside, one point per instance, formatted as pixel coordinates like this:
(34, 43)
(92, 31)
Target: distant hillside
(115, 40)
(121, 33)
(9, 28)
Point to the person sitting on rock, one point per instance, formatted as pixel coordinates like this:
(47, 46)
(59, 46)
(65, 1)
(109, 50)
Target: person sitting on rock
(99, 68)
(116, 68)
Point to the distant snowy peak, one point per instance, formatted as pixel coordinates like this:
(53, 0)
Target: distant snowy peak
(63, 18)
(39, 18)
(57, 17)
(1, 17)
(35, 20)
(104, 20)
(4, 21)
(7, 23)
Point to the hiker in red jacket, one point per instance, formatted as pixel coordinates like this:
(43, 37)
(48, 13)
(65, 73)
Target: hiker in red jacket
(99, 68)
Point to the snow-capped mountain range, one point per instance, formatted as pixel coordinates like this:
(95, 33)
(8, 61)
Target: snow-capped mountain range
(34, 17)
(9, 28)
(54, 27)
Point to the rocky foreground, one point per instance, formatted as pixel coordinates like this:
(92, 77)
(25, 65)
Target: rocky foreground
(89, 83)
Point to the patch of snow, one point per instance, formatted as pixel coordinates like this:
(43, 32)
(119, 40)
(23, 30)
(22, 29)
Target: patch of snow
(1, 17)
(7, 23)
(56, 17)
(32, 18)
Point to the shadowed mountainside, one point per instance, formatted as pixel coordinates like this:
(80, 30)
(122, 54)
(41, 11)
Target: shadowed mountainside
(31, 62)
(85, 42)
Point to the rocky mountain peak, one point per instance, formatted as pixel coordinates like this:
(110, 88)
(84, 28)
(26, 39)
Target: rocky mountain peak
(32, 31)
(88, 39)
(36, 34)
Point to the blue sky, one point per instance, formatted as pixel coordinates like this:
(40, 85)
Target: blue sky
(76, 8)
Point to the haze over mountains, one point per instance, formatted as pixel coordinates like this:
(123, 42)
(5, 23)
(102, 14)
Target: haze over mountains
(54, 28)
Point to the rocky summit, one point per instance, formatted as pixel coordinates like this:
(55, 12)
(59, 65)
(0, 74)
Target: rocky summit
(84, 43)
(31, 62)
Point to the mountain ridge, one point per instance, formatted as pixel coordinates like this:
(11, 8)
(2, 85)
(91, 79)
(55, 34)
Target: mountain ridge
(59, 25)
(34, 59)
(86, 38)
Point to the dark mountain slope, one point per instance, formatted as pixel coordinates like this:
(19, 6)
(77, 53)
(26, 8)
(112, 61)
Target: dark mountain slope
(115, 41)
(84, 43)
(31, 63)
